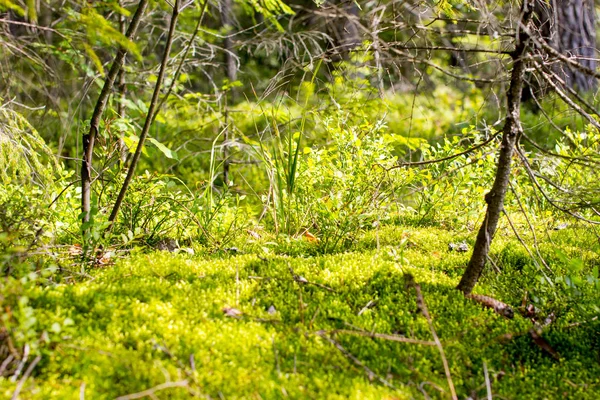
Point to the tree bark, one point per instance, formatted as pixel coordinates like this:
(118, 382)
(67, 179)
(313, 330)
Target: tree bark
(570, 27)
(90, 138)
(510, 137)
(149, 116)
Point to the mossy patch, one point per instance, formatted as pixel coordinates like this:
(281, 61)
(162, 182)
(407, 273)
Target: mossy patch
(163, 317)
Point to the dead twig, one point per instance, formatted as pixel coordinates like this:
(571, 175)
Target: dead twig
(543, 343)
(488, 385)
(384, 336)
(372, 375)
(303, 280)
(150, 392)
(410, 282)
(28, 372)
(451, 157)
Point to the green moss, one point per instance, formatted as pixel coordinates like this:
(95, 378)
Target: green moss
(159, 317)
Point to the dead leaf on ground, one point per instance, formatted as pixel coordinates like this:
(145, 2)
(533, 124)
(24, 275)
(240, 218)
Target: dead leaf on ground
(252, 233)
(310, 237)
(232, 312)
(75, 250)
(105, 258)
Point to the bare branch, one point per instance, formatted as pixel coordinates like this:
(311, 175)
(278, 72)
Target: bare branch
(451, 157)
(408, 57)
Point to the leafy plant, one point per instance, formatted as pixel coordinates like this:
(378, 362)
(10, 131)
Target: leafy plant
(24, 156)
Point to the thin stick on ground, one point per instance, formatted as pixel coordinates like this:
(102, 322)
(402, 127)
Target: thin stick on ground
(410, 281)
(488, 385)
(355, 360)
(393, 338)
(28, 372)
(514, 229)
(150, 392)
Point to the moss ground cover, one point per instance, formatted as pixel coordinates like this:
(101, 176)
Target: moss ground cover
(255, 325)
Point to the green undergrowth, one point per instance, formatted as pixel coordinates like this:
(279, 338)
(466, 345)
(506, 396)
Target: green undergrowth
(254, 324)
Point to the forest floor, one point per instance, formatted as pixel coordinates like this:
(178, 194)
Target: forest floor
(279, 324)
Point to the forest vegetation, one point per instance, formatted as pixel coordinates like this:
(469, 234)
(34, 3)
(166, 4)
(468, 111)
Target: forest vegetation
(265, 199)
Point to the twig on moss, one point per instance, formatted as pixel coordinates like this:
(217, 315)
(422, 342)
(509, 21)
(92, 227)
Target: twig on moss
(6, 363)
(28, 372)
(514, 229)
(410, 282)
(384, 336)
(303, 280)
(499, 307)
(372, 375)
(488, 385)
(150, 392)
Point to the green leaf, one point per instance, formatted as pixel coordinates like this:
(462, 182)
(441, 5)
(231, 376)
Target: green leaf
(99, 29)
(9, 5)
(164, 149)
(94, 57)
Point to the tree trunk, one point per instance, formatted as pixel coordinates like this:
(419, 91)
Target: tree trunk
(577, 37)
(90, 137)
(150, 115)
(569, 27)
(510, 137)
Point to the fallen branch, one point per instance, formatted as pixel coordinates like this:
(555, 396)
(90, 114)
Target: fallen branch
(499, 307)
(488, 385)
(543, 344)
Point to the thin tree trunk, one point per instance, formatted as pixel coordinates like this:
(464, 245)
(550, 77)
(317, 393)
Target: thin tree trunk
(231, 68)
(149, 116)
(121, 90)
(90, 138)
(510, 137)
